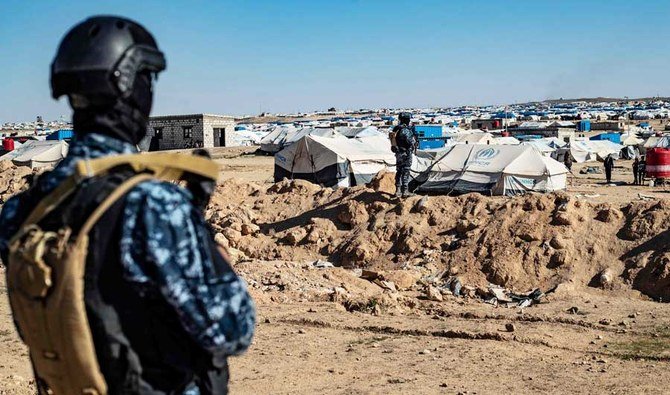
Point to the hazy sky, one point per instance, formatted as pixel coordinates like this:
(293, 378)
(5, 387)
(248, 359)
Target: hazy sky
(239, 57)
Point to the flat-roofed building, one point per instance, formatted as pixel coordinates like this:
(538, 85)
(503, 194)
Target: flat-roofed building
(190, 131)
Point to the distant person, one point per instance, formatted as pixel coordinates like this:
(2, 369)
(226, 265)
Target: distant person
(642, 170)
(636, 170)
(403, 144)
(609, 165)
(568, 161)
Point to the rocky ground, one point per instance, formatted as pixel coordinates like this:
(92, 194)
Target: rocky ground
(360, 293)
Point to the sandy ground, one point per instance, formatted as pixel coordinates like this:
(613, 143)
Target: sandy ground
(613, 342)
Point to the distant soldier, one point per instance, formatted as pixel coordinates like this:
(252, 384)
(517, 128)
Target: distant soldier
(568, 161)
(636, 168)
(642, 170)
(403, 144)
(609, 165)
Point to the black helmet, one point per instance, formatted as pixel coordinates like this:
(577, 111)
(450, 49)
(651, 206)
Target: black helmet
(101, 58)
(404, 118)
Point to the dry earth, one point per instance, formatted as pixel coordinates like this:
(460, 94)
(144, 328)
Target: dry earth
(327, 330)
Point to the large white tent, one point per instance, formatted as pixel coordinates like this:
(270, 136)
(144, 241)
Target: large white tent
(588, 150)
(286, 135)
(494, 169)
(38, 153)
(334, 161)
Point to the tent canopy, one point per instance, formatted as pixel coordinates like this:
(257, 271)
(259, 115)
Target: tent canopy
(334, 161)
(494, 169)
(35, 153)
(543, 147)
(631, 139)
(358, 132)
(588, 150)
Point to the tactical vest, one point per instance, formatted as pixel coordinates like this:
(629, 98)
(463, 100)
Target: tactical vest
(81, 321)
(404, 137)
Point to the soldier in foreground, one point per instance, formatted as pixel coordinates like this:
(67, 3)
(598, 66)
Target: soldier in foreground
(159, 309)
(403, 144)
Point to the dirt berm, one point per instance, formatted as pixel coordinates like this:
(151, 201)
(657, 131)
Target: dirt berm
(520, 243)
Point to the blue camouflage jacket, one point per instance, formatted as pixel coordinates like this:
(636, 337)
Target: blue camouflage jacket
(218, 313)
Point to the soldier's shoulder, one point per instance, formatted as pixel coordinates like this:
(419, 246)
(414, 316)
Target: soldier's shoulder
(159, 194)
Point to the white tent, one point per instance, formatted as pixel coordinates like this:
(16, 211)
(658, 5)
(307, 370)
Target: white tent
(542, 146)
(472, 138)
(553, 142)
(657, 141)
(631, 139)
(494, 169)
(38, 153)
(334, 161)
(508, 140)
(284, 136)
(358, 132)
(588, 150)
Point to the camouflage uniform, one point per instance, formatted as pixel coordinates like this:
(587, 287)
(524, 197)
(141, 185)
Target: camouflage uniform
(404, 153)
(170, 259)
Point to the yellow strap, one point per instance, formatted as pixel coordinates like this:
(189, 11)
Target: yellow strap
(168, 167)
(164, 166)
(47, 205)
(113, 197)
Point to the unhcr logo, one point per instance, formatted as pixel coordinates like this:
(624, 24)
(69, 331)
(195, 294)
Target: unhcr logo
(487, 153)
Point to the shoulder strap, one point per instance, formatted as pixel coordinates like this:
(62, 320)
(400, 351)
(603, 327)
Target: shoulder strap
(51, 201)
(47, 205)
(164, 166)
(55, 198)
(113, 197)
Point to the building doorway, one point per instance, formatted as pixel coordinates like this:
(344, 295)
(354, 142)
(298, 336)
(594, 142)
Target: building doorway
(219, 137)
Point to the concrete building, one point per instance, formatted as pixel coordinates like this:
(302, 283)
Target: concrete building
(191, 131)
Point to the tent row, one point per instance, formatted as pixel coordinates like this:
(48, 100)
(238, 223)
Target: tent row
(283, 136)
(486, 168)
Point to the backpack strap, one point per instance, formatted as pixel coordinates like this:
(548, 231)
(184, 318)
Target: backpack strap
(167, 167)
(47, 205)
(113, 197)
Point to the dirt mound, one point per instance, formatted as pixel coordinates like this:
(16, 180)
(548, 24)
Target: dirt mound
(519, 243)
(13, 179)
